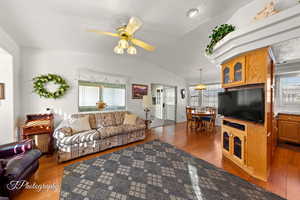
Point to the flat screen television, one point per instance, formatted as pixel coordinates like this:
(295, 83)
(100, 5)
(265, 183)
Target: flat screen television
(243, 104)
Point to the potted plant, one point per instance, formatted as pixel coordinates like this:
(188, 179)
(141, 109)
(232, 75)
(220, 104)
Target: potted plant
(219, 32)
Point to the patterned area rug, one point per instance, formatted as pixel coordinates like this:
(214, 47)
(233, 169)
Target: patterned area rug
(154, 171)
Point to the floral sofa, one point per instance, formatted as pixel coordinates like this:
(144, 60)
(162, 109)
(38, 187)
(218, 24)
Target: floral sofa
(107, 131)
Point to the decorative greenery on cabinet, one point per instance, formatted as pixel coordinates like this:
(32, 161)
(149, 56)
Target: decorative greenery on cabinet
(40, 82)
(218, 34)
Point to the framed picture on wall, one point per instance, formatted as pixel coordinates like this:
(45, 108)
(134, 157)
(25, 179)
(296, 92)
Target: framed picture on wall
(138, 91)
(2, 96)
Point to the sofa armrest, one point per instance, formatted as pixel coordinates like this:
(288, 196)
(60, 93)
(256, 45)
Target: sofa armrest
(140, 121)
(62, 132)
(15, 148)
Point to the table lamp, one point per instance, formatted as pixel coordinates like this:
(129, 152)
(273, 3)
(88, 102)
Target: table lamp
(147, 103)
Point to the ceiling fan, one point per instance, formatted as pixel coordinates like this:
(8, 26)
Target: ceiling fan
(127, 39)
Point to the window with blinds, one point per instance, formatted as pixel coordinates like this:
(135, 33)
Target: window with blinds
(114, 95)
(195, 97)
(288, 90)
(210, 95)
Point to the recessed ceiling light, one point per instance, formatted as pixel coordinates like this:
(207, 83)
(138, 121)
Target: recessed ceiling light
(193, 12)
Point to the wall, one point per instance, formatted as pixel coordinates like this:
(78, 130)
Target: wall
(244, 16)
(11, 47)
(67, 64)
(6, 105)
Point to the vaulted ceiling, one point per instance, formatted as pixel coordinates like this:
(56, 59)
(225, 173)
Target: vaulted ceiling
(62, 24)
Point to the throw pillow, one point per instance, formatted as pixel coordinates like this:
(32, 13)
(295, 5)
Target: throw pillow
(67, 131)
(130, 119)
(80, 124)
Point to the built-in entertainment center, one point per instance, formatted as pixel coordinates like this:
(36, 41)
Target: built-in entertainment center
(246, 104)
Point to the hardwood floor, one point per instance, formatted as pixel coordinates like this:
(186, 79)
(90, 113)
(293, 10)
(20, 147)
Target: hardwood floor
(284, 179)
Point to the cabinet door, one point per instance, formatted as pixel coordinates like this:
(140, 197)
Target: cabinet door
(226, 75)
(238, 148)
(289, 131)
(257, 66)
(238, 70)
(226, 142)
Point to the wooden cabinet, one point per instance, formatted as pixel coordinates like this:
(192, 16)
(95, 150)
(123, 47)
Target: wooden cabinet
(246, 144)
(233, 72)
(250, 145)
(233, 143)
(250, 68)
(289, 128)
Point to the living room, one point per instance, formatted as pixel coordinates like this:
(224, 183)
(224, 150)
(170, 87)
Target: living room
(148, 100)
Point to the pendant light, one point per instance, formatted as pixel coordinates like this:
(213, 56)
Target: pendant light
(200, 86)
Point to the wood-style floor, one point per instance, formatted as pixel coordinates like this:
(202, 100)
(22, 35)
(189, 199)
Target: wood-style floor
(284, 179)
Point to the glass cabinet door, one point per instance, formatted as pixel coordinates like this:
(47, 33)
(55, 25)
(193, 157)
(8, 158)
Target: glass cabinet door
(238, 67)
(226, 141)
(237, 147)
(226, 75)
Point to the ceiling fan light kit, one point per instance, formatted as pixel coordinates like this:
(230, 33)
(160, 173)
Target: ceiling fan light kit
(132, 50)
(127, 40)
(119, 50)
(123, 44)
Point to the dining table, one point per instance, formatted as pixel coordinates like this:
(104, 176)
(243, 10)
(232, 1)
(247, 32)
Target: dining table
(201, 113)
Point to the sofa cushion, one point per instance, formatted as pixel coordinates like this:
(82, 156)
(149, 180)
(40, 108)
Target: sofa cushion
(110, 131)
(84, 136)
(80, 124)
(119, 117)
(105, 120)
(92, 119)
(127, 128)
(130, 119)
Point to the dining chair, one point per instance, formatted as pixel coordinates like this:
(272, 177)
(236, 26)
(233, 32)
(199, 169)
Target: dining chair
(192, 122)
(209, 121)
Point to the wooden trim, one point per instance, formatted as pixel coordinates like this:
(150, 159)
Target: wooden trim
(2, 91)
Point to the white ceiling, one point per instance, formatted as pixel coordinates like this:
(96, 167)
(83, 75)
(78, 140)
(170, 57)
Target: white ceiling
(61, 24)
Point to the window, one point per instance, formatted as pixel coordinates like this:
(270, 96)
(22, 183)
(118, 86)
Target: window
(288, 90)
(195, 95)
(114, 95)
(210, 95)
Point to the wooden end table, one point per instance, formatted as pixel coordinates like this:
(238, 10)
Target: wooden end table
(28, 132)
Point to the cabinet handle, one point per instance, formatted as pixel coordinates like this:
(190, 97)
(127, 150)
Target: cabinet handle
(269, 134)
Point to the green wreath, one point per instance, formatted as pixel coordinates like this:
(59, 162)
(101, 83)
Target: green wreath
(39, 86)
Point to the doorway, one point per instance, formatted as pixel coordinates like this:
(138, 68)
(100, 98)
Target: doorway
(164, 105)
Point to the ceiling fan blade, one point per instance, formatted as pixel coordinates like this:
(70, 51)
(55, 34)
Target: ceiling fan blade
(142, 44)
(133, 25)
(104, 33)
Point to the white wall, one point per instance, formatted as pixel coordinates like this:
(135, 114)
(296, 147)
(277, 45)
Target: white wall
(67, 64)
(6, 105)
(245, 15)
(10, 46)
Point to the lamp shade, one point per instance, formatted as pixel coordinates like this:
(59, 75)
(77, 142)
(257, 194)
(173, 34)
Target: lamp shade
(200, 87)
(147, 101)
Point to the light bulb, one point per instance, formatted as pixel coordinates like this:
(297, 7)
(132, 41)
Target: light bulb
(123, 44)
(191, 13)
(132, 50)
(118, 50)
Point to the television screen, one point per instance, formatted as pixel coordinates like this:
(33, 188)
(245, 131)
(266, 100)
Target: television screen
(243, 104)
